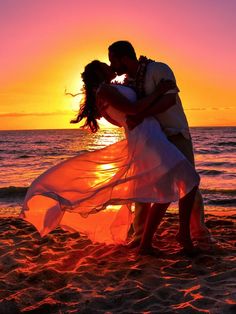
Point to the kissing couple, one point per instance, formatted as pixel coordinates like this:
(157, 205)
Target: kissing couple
(152, 167)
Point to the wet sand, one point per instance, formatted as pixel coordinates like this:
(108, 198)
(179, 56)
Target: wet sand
(66, 273)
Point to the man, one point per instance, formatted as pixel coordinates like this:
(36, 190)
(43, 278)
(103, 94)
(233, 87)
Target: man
(144, 75)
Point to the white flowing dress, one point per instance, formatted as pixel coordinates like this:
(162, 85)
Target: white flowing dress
(79, 193)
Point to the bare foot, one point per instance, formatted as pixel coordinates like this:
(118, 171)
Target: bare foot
(191, 252)
(134, 243)
(188, 248)
(151, 251)
(206, 243)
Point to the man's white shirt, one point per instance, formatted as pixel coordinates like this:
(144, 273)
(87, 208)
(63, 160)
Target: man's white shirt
(173, 121)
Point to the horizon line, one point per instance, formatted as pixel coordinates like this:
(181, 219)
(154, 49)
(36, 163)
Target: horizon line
(104, 128)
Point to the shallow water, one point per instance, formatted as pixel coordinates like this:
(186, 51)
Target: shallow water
(26, 154)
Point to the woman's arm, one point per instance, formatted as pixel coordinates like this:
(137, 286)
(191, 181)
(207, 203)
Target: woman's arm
(109, 94)
(110, 120)
(101, 105)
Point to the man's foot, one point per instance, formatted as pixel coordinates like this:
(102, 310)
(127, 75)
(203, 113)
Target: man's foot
(191, 252)
(151, 251)
(133, 243)
(205, 240)
(188, 248)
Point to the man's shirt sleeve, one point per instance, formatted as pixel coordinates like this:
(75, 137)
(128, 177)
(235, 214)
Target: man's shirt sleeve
(163, 71)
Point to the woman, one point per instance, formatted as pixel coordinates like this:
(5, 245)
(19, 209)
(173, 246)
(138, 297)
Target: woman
(145, 167)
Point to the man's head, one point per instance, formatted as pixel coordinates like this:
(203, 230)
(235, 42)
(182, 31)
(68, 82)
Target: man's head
(122, 57)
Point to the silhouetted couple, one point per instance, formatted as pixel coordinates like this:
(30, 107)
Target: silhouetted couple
(152, 167)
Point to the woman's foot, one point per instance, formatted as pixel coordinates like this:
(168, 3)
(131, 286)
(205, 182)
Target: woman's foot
(151, 251)
(134, 243)
(191, 252)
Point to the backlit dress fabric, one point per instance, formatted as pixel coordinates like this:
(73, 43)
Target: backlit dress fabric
(92, 193)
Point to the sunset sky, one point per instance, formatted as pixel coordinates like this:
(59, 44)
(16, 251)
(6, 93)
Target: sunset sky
(45, 45)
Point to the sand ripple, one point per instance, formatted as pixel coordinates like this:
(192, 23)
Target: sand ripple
(66, 273)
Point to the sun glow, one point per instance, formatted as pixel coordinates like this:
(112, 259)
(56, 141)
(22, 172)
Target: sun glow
(75, 103)
(103, 123)
(51, 47)
(119, 79)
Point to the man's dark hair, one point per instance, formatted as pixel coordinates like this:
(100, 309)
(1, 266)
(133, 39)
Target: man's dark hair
(123, 48)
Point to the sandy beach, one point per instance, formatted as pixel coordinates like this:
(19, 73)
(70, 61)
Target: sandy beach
(66, 273)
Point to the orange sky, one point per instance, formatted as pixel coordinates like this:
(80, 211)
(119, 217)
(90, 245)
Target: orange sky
(46, 44)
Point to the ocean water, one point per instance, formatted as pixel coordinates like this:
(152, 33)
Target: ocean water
(26, 154)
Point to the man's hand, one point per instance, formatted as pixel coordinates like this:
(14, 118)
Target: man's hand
(133, 121)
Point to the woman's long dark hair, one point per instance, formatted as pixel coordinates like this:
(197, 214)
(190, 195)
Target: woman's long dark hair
(92, 77)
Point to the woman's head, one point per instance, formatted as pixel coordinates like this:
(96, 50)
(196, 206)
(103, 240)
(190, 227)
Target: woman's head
(94, 74)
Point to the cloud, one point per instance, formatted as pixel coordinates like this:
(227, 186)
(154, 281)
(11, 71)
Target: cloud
(28, 114)
(68, 112)
(208, 108)
(195, 109)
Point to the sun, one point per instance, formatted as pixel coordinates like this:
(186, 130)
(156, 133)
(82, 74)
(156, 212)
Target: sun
(75, 102)
(119, 79)
(103, 123)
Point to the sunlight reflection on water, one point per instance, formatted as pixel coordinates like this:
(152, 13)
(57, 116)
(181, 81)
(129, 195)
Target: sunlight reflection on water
(26, 154)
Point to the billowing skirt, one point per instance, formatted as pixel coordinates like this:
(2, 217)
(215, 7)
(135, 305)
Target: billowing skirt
(92, 193)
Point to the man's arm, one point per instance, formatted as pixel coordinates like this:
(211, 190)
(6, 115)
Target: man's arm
(109, 94)
(161, 105)
(160, 71)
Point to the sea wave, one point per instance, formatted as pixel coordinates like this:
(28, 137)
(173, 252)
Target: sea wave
(40, 142)
(24, 156)
(229, 192)
(207, 151)
(222, 202)
(6, 141)
(12, 192)
(226, 143)
(217, 164)
(20, 191)
(210, 172)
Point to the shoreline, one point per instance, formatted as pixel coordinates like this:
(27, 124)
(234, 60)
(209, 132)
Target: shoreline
(12, 210)
(67, 273)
